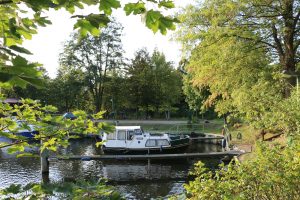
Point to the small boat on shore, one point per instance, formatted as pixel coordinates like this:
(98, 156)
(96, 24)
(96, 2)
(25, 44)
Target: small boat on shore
(127, 139)
(23, 129)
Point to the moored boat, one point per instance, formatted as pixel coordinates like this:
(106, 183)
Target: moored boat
(133, 139)
(23, 129)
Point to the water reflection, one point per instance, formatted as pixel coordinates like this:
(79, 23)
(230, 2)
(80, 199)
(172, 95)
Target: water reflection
(136, 180)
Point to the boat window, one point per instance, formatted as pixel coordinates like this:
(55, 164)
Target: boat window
(111, 136)
(138, 132)
(162, 142)
(130, 134)
(150, 143)
(121, 135)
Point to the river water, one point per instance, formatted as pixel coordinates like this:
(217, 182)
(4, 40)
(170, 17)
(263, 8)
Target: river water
(135, 180)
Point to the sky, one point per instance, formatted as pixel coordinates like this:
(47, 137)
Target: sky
(48, 43)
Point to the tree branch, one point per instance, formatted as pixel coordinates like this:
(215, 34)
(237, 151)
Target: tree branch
(277, 42)
(254, 40)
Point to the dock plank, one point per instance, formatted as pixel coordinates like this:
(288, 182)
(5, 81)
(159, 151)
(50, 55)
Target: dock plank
(147, 156)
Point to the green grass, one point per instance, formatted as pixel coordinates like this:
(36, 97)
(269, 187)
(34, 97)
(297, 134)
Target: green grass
(214, 126)
(249, 135)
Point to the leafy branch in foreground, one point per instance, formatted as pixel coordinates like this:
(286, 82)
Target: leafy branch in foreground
(20, 19)
(53, 131)
(68, 190)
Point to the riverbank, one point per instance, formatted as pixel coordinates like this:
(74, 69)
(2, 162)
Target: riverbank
(245, 137)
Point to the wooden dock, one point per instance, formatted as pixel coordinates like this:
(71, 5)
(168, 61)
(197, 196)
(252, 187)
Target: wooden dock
(148, 156)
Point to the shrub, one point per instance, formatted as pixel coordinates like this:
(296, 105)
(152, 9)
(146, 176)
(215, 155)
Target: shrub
(273, 174)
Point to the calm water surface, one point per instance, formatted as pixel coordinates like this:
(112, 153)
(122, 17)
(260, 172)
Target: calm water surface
(135, 180)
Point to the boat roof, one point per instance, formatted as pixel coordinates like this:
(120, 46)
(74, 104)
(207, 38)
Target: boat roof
(127, 127)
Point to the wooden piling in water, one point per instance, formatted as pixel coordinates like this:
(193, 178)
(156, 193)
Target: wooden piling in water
(44, 163)
(44, 156)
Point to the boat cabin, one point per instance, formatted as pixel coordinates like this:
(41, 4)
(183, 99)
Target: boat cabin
(134, 138)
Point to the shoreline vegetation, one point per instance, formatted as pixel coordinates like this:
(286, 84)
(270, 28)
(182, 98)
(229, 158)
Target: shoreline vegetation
(240, 59)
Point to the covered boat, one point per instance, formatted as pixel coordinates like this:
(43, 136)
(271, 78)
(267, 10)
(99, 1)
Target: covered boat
(23, 129)
(134, 139)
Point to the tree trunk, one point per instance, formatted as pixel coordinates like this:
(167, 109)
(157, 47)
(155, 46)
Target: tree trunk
(67, 105)
(97, 104)
(286, 51)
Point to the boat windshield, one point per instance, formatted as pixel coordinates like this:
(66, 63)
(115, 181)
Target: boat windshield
(138, 131)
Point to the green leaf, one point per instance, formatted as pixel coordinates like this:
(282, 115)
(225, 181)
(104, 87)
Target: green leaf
(166, 4)
(29, 186)
(156, 21)
(99, 144)
(98, 20)
(15, 80)
(20, 49)
(36, 82)
(152, 20)
(19, 61)
(11, 41)
(50, 108)
(13, 28)
(99, 115)
(108, 5)
(25, 34)
(135, 8)
(15, 148)
(70, 8)
(85, 27)
(26, 155)
(166, 23)
(52, 148)
(12, 189)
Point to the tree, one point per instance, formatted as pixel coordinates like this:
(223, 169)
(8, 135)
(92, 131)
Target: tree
(155, 86)
(241, 75)
(221, 70)
(270, 25)
(117, 97)
(67, 91)
(16, 27)
(138, 74)
(167, 84)
(96, 57)
(30, 91)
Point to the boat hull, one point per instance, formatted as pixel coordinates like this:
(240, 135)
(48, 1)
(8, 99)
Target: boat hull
(28, 134)
(153, 150)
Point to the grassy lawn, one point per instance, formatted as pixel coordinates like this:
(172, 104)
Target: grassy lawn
(213, 126)
(249, 135)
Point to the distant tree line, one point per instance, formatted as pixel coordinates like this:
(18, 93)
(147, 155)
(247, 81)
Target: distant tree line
(94, 75)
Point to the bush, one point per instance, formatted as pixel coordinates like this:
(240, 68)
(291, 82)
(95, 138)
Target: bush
(273, 174)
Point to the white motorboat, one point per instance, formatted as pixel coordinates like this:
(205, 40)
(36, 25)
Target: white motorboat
(133, 138)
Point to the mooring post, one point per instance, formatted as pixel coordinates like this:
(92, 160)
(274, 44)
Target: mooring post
(227, 142)
(44, 160)
(149, 167)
